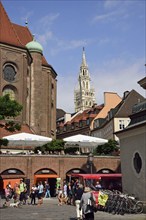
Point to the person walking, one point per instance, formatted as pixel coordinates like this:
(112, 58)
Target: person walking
(33, 194)
(22, 187)
(85, 204)
(47, 190)
(7, 193)
(16, 192)
(78, 195)
(65, 189)
(40, 193)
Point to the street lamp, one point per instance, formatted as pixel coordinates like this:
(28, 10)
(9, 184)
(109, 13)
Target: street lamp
(90, 162)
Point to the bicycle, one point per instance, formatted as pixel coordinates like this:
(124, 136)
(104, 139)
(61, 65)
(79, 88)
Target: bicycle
(133, 205)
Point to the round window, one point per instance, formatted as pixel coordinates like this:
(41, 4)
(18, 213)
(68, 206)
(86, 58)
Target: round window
(9, 73)
(137, 162)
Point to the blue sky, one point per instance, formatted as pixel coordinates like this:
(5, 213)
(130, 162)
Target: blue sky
(113, 33)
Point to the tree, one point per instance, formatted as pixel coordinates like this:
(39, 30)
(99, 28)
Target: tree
(107, 148)
(55, 145)
(9, 109)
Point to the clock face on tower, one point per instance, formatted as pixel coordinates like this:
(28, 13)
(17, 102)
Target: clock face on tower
(9, 73)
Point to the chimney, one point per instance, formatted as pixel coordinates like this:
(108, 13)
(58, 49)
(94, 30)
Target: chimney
(126, 93)
(67, 117)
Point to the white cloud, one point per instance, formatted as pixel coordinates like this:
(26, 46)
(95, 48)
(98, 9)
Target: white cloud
(105, 17)
(48, 20)
(104, 41)
(44, 26)
(108, 4)
(43, 39)
(65, 92)
(112, 11)
(62, 45)
(118, 76)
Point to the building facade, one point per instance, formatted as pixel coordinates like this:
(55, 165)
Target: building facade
(133, 151)
(78, 123)
(27, 77)
(111, 100)
(117, 118)
(84, 94)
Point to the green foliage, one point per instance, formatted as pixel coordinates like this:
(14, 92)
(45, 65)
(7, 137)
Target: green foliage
(71, 150)
(3, 142)
(55, 145)
(107, 148)
(9, 109)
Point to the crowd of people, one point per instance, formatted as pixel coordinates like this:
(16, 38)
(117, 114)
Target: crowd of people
(70, 193)
(20, 193)
(74, 193)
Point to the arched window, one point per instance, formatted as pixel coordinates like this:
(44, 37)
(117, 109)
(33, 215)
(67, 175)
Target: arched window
(86, 85)
(83, 84)
(10, 92)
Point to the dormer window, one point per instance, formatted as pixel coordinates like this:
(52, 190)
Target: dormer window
(121, 124)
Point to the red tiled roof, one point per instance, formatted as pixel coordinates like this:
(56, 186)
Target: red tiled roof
(8, 33)
(14, 34)
(44, 62)
(24, 128)
(88, 113)
(92, 115)
(23, 33)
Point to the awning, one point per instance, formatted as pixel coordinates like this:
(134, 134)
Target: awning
(98, 176)
(42, 176)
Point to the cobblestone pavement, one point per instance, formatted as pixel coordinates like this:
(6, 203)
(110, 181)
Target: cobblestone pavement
(50, 210)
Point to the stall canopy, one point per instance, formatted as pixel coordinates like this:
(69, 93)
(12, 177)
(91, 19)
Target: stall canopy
(26, 139)
(98, 176)
(80, 140)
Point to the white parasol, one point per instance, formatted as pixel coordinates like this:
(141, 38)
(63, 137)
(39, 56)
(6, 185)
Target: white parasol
(84, 141)
(26, 139)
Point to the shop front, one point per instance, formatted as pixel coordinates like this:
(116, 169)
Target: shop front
(47, 175)
(11, 176)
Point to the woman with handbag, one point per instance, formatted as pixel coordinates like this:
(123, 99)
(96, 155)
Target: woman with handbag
(86, 204)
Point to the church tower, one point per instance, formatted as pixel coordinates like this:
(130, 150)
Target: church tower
(27, 77)
(84, 95)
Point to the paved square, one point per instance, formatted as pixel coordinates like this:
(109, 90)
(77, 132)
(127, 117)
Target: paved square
(50, 210)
